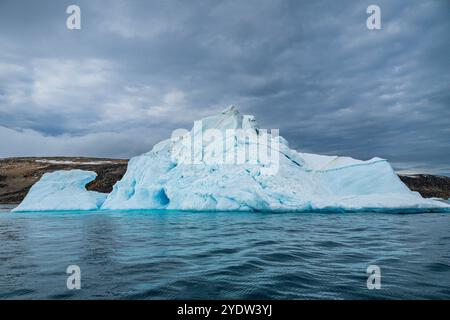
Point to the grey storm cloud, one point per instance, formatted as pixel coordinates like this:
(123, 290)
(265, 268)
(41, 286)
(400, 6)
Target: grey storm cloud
(137, 70)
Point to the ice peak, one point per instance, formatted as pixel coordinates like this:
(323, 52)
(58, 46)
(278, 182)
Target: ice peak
(230, 118)
(231, 110)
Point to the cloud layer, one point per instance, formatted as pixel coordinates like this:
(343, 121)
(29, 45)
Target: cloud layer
(137, 70)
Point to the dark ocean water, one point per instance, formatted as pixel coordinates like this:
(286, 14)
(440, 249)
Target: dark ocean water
(170, 255)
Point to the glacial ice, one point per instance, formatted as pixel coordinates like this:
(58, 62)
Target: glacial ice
(164, 178)
(61, 191)
(182, 174)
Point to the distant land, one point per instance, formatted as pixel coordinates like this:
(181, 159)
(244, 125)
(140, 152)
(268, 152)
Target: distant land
(17, 175)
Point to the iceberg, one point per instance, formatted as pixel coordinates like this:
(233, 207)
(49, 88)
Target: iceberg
(227, 163)
(183, 174)
(61, 191)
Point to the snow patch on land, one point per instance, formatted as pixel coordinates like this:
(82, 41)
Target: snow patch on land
(73, 162)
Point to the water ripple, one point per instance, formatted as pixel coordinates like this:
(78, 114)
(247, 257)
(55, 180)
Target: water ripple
(181, 255)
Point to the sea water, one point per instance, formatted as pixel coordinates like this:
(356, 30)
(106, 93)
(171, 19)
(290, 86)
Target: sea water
(191, 255)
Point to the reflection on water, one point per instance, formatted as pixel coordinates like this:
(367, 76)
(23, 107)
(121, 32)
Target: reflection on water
(173, 255)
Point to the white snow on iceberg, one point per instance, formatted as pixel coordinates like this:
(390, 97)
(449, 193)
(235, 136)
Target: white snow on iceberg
(62, 190)
(167, 178)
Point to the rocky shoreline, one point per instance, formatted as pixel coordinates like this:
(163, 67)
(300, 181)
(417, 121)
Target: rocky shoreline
(429, 186)
(17, 175)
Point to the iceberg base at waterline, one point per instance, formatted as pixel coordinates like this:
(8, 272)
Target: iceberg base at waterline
(62, 191)
(166, 178)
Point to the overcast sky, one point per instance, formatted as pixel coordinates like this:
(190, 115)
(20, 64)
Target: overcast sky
(137, 70)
